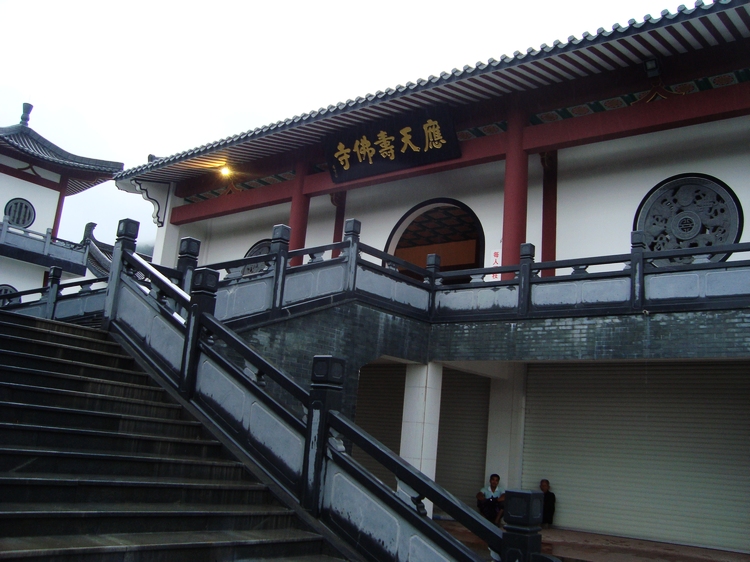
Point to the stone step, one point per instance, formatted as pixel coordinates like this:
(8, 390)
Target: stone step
(27, 394)
(98, 463)
(112, 358)
(71, 367)
(31, 460)
(281, 545)
(39, 519)
(67, 488)
(48, 379)
(34, 333)
(48, 415)
(53, 326)
(89, 440)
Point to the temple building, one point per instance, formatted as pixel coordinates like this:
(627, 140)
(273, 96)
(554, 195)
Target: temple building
(638, 416)
(35, 178)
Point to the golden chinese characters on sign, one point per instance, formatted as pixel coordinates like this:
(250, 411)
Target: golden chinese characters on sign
(364, 151)
(418, 138)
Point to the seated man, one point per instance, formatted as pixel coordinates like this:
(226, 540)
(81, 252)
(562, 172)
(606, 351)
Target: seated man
(491, 500)
(548, 508)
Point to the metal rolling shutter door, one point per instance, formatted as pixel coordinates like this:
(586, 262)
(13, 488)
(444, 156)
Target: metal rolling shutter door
(657, 451)
(462, 440)
(380, 409)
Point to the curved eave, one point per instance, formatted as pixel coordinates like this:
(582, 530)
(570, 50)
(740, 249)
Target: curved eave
(82, 172)
(689, 30)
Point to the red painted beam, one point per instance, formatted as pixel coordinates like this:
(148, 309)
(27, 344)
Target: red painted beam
(691, 109)
(722, 103)
(233, 203)
(473, 152)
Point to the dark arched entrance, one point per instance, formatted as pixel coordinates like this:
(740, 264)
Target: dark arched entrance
(445, 227)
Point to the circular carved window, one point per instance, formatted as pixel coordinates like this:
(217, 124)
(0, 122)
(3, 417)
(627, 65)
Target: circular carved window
(689, 211)
(20, 212)
(7, 290)
(258, 249)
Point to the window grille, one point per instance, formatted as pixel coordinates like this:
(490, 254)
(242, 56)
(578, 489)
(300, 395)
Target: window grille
(20, 213)
(7, 290)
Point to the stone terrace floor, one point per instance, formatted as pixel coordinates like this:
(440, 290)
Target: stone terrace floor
(574, 546)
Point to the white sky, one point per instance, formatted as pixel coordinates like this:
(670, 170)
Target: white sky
(119, 80)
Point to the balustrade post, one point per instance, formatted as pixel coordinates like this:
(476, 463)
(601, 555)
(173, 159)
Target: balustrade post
(47, 241)
(4, 229)
(433, 266)
(637, 247)
(325, 395)
(352, 230)
(524, 278)
(53, 291)
(205, 283)
(280, 247)
(127, 233)
(187, 261)
(521, 539)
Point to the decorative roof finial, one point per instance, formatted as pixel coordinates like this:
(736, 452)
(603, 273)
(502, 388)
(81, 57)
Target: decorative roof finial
(27, 107)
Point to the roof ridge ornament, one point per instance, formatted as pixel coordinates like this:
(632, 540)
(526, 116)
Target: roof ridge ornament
(27, 107)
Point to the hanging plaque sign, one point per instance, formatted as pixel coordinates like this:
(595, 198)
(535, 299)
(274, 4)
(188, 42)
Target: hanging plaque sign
(403, 141)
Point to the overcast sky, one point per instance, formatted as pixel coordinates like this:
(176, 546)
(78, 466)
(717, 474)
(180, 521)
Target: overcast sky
(119, 80)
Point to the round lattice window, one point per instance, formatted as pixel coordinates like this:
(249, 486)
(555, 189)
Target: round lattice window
(258, 249)
(7, 290)
(689, 211)
(20, 212)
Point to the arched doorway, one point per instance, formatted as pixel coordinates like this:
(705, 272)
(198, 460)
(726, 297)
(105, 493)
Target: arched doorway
(445, 227)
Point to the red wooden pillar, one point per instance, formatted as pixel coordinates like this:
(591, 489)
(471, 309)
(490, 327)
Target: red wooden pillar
(299, 213)
(339, 201)
(549, 209)
(60, 203)
(516, 187)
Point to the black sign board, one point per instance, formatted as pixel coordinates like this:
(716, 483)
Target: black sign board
(404, 141)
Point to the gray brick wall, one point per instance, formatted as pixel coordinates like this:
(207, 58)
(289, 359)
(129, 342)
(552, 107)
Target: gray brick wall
(361, 333)
(709, 334)
(355, 332)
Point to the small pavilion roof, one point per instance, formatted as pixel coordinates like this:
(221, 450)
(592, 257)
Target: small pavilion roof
(688, 30)
(82, 172)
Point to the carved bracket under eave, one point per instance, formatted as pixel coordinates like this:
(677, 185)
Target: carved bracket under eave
(155, 193)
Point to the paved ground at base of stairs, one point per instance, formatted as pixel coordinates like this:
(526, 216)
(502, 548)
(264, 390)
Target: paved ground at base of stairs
(574, 546)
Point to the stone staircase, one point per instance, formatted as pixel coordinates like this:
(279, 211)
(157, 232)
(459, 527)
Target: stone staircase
(97, 462)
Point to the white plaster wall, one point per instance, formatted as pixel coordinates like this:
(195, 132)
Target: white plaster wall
(601, 185)
(21, 275)
(19, 164)
(230, 237)
(380, 207)
(599, 189)
(43, 199)
(321, 221)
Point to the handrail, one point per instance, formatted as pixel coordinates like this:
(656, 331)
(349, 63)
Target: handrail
(406, 473)
(201, 331)
(172, 291)
(41, 236)
(237, 344)
(390, 258)
(318, 250)
(242, 262)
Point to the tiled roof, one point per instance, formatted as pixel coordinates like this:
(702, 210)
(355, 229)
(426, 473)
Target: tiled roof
(82, 172)
(688, 30)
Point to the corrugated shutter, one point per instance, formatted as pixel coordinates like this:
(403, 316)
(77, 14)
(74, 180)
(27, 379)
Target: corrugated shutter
(462, 439)
(380, 409)
(650, 450)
